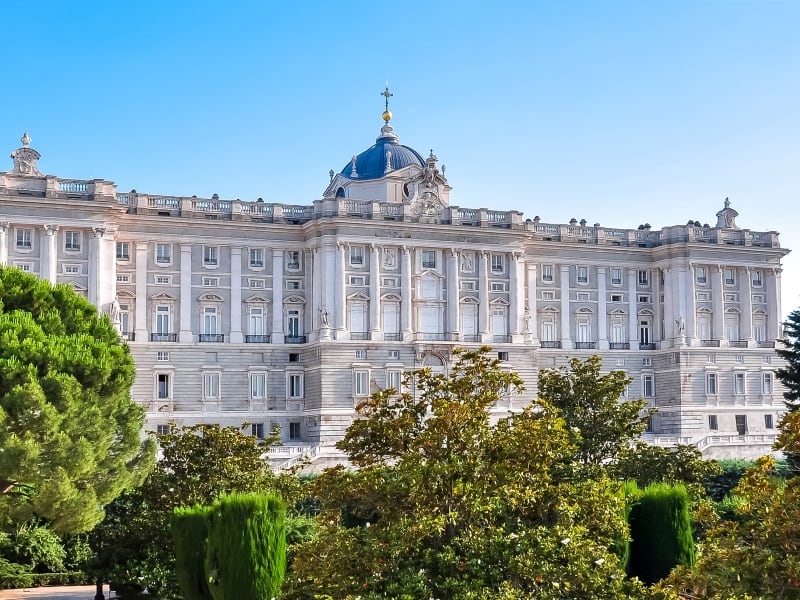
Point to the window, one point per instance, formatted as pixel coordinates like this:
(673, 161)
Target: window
(498, 286)
(210, 281)
(163, 279)
(24, 239)
(294, 357)
(210, 256)
(731, 297)
(758, 298)
(738, 383)
(258, 386)
(394, 354)
(294, 385)
(162, 320)
(729, 277)
(162, 356)
(497, 263)
(293, 324)
(616, 276)
(72, 241)
(644, 299)
(644, 332)
(125, 319)
(703, 296)
(647, 362)
(648, 386)
(360, 383)
(163, 254)
(429, 259)
(644, 278)
(26, 267)
(72, 269)
(766, 383)
(767, 359)
(390, 282)
(209, 320)
(502, 356)
(741, 424)
(547, 273)
(256, 284)
(768, 422)
(162, 386)
(294, 430)
(548, 295)
(357, 256)
(123, 278)
(757, 281)
(292, 260)
(394, 379)
(358, 280)
(711, 358)
(616, 297)
(123, 251)
(361, 354)
(468, 286)
(163, 429)
(713, 425)
(294, 284)
(211, 386)
(740, 358)
(701, 274)
(711, 383)
(583, 275)
(255, 321)
(257, 430)
(582, 297)
(256, 258)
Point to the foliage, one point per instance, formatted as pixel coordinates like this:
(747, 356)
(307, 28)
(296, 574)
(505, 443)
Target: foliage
(36, 547)
(246, 547)
(449, 503)
(14, 575)
(189, 529)
(719, 485)
(199, 464)
(601, 424)
(789, 375)
(69, 431)
(661, 532)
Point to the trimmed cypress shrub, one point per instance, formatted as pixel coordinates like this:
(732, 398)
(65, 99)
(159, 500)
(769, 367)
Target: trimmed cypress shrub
(661, 532)
(189, 529)
(621, 547)
(246, 547)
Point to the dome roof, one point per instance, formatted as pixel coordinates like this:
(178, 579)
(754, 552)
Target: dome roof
(371, 164)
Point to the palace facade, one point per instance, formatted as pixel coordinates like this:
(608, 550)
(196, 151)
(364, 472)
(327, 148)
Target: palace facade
(273, 314)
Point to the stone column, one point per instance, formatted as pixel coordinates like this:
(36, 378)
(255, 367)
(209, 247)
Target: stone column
(236, 296)
(95, 267)
(602, 310)
(316, 281)
(718, 303)
(483, 296)
(185, 331)
(691, 307)
(566, 317)
(670, 328)
(327, 293)
(4, 243)
(49, 262)
(633, 308)
(140, 326)
(453, 305)
(340, 292)
(375, 293)
(277, 296)
(774, 316)
(407, 293)
(746, 321)
(516, 296)
(530, 305)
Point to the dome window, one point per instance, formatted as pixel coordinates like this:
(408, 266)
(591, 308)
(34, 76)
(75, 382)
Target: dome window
(340, 193)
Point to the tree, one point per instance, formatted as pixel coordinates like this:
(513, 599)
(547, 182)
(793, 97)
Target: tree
(69, 431)
(790, 374)
(646, 464)
(601, 424)
(449, 503)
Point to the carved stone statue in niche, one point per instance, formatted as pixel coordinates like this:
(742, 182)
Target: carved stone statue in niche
(390, 258)
(468, 261)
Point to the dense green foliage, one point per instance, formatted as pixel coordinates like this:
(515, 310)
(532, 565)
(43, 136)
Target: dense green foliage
(789, 375)
(646, 464)
(69, 432)
(450, 503)
(246, 547)
(189, 529)
(661, 532)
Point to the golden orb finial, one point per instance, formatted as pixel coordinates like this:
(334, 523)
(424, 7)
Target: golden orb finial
(387, 116)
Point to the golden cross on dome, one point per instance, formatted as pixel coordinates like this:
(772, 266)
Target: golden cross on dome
(387, 94)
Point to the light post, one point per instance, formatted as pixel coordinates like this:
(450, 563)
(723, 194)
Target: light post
(99, 595)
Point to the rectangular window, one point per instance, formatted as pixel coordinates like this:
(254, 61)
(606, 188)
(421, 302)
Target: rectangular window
(740, 358)
(258, 386)
(162, 356)
(256, 284)
(711, 358)
(162, 386)
(361, 354)
(292, 260)
(125, 319)
(582, 297)
(428, 259)
(123, 278)
(394, 354)
(24, 239)
(729, 276)
(548, 295)
(256, 321)
(72, 241)
(394, 379)
(163, 429)
(257, 430)
(468, 286)
(497, 263)
(294, 284)
(498, 286)
(256, 258)
(389, 282)
(703, 296)
(758, 298)
(358, 280)
(648, 386)
(583, 275)
(741, 424)
(294, 357)
(757, 281)
(702, 276)
(163, 279)
(768, 422)
(713, 425)
(357, 256)
(360, 383)
(210, 256)
(766, 359)
(294, 430)
(123, 251)
(738, 383)
(163, 254)
(210, 281)
(711, 383)
(547, 273)
(647, 362)
(644, 299)
(616, 276)
(211, 386)
(72, 269)
(162, 320)
(209, 320)
(644, 278)
(616, 297)
(25, 267)
(503, 356)
(766, 383)
(294, 385)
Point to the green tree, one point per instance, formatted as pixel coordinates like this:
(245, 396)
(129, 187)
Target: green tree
(69, 431)
(789, 375)
(451, 503)
(646, 464)
(601, 424)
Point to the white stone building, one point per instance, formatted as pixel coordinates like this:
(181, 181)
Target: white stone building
(275, 314)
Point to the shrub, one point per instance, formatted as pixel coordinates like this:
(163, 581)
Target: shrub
(37, 547)
(13, 575)
(189, 529)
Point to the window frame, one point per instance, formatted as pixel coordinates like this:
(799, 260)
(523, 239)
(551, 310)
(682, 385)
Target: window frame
(25, 246)
(212, 381)
(253, 262)
(357, 256)
(73, 241)
(360, 383)
(122, 251)
(211, 257)
(295, 384)
(262, 377)
(163, 259)
(428, 259)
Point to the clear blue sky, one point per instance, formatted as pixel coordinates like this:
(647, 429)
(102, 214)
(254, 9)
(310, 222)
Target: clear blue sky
(616, 112)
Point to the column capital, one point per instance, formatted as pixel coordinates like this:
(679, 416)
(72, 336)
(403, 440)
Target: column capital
(98, 232)
(454, 252)
(50, 230)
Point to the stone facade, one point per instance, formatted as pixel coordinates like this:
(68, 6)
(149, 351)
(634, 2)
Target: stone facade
(275, 314)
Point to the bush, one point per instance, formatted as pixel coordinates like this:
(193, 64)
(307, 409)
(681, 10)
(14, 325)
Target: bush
(189, 529)
(37, 547)
(246, 548)
(13, 575)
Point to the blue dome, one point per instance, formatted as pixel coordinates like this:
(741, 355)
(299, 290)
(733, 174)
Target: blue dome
(371, 164)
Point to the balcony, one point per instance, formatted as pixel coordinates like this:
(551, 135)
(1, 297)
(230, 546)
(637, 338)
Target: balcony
(163, 337)
(256, 339)
(211, 337)
(619, 346)
(549, 344)
(127, 335)
(436, 337)
(294, 339)
(501, 339)
(392, 337)
(359, 335)
(738, 343)
(585, 345)
(763, 344)
(710, 343)
(643, 346)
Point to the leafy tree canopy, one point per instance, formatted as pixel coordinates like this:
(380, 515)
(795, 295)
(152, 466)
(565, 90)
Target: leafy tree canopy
(790, 374)
(69, 431)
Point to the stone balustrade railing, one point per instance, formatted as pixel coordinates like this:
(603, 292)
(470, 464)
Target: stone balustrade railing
(49, 186)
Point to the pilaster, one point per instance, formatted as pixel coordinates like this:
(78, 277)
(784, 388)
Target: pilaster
(236, 296)
(375, 292)
(633, 307)
(407, 294)
(340, 291)
(140, 326)
(185, 331)
(49, 260)
(483, 296)
(453, 306)
(718, 302)
(531, 313)
(746, 323)
(277, 296)
(602, 310)
(566, 316)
